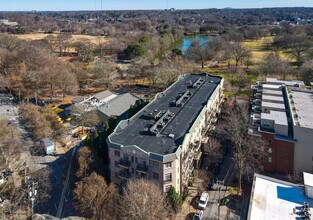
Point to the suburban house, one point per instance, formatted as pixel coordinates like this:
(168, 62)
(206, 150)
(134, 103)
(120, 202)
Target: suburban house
(106, 104)
(273, 199)
(162, 142)
(282, 113)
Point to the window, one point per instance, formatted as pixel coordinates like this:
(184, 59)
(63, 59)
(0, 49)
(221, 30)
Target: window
(167, 188)
(136, 159)
(270, 159)
(168, 177)
(125, 158)
(116, 163)
(116, 175)
(155, 176)
(133, 171)
(270, 141)
(132, 159)
(270, 150)
(116, 153)
(286, 152)
(168, 165)
(155, 163)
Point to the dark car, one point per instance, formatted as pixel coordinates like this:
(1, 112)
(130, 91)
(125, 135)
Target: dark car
(211, 182)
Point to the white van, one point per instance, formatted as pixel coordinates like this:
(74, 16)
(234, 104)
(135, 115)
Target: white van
(204, 199)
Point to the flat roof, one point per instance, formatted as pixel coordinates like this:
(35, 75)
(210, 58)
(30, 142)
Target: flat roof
(167, 106)
(296, 83)
(273, 98)
(308, 179)
(271, 86)
(279, 117)
(272, 92)
(274, 105)
(303, 102)
(273, 199)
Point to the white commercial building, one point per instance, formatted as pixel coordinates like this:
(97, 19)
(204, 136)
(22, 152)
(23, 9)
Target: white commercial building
(273, 199)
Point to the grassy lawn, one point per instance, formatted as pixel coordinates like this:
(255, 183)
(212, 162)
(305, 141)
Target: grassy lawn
(75, 37)
(259, 50)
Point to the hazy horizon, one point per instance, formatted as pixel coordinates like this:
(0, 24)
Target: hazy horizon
(82, 5)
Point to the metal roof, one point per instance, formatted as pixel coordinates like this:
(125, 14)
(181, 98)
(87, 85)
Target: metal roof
(171, 130)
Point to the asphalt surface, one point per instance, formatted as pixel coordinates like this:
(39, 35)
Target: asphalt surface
(216, 195)
(37, 160)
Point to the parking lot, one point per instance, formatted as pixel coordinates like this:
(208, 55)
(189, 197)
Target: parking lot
(8, 110)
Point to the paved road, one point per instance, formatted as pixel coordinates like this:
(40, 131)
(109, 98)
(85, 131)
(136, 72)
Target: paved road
(66, 188)
(219, 190)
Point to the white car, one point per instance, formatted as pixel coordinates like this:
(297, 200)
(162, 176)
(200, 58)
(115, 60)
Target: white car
(198, 215)
(203, 200)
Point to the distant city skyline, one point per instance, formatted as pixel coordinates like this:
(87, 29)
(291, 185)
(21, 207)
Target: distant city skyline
(74, 5)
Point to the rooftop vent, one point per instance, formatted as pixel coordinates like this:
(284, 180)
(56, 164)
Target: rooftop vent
(171, 136)
(198, 83)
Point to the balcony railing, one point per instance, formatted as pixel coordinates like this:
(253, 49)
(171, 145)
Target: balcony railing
(167, 181)
(124, 163)
(124, 175)
(142, 168)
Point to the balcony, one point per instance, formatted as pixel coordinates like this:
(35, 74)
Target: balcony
(167, 181)
(125, 175)
(141, 168)
(124, 163)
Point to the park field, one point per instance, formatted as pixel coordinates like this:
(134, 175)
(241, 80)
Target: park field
(260, 51)
(75, 37)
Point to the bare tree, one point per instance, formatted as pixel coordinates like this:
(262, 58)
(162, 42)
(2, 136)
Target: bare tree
(306, 71)
(67, 80)
(197, 52)
(104, 73)
(95, 198)
(35, 121)
(42, 179)
(238, 53)
(85, 159)
(85, 118)
(10, 142)
(142, 200)
(212, 147)
(247, 148)
(273, 65)
(299, 46)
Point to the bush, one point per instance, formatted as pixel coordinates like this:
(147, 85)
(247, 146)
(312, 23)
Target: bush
(174, 199)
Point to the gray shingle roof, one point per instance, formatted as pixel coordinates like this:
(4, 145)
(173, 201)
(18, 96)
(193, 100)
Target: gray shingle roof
(118, 105)
(103, 95)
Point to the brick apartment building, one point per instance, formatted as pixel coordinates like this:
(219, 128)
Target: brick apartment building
(282, 113)
(162, 142)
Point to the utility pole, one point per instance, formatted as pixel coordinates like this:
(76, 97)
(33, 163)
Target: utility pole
(32, 195)
(220, 184)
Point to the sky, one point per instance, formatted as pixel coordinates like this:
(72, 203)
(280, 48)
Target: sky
(73, 5)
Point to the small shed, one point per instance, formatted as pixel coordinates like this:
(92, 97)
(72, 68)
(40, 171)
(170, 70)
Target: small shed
(48, 145)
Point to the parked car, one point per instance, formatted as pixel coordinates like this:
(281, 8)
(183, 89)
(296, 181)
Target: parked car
(204, 199)
(211, 182)
(198, 215)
